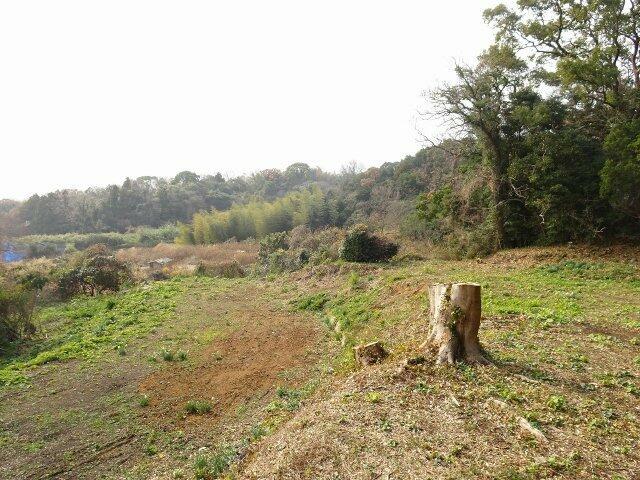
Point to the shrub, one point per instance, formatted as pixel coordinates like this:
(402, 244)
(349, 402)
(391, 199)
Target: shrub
(208, 466)
(16, 309)
(92, 271)
(284, 261)
(272, 243)
(360, 245)
(34, 281)
(319, 246)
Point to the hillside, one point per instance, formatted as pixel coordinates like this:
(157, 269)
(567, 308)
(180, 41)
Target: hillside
(244, 378)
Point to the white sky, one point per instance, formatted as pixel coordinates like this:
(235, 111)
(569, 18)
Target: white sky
(94, 91)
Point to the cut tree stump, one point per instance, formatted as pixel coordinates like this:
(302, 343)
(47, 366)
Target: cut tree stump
(370, 353)
(455, 320)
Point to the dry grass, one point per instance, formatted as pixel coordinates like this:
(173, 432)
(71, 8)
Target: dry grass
(244, 253)
(223, 259)
(561, 325)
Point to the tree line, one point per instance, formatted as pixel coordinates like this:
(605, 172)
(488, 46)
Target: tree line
(379, 195)
(147, 201)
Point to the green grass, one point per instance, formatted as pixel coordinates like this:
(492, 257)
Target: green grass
(289, 399)
(89, 327)
(312, 303)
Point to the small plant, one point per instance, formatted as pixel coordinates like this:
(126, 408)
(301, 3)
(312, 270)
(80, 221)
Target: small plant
(373, 397)
(181, 355)
(209, 466)
(557, 403)
(143, 401)
(258, 431)
(385, 425)
(354, 281)
(167, 355)
(197, 407)
(150, 449)
(423, 388)
(290, 397)
(178, 473)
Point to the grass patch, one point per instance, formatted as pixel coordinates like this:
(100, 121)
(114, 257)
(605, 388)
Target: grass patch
(313, 303)
(89, 327)
(289, 399)
(197, 407)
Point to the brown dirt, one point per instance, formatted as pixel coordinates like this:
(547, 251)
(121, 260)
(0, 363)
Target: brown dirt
(242, 367)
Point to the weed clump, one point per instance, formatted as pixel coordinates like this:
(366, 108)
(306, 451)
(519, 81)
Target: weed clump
(313, 303)
(167, 355)
(207, 466)
(197, 407)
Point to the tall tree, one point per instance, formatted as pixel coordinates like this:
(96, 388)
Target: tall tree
(479, 104)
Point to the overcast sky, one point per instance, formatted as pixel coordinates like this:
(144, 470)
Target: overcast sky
(94, 91)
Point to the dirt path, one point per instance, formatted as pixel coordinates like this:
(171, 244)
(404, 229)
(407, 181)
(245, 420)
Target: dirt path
(85, 421)
(241, 368)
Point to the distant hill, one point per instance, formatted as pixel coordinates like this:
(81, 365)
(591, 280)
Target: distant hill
(376, 194)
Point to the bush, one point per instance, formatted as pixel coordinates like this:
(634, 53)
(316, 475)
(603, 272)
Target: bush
(16, 309)
(360, 245)
(272, 243)
(284, 261)
(34, 280)
(92, 271)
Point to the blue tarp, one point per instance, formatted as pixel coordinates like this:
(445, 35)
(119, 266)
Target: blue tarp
(8, 253)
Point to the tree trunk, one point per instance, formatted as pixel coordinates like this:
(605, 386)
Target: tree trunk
(499, 162)
(455, 320)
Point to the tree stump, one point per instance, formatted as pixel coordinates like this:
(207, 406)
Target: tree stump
(454, 320)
